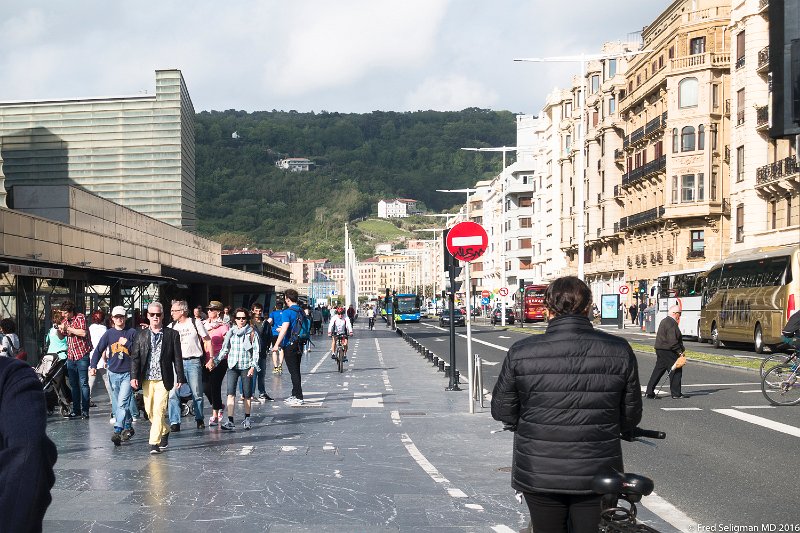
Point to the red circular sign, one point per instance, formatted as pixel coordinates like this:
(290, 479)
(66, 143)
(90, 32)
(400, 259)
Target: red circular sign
(503, 291)
(467, 241)
(623, 289)
(485, 294)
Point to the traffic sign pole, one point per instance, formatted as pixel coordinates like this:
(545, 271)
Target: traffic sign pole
(470, 362)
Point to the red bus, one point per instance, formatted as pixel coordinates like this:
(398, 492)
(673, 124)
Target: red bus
(531, 306)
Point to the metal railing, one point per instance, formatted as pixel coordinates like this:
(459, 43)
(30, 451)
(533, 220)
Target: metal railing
(651, 167)
(763, 57)
(739, 62)
(740, 117)
(762, 116)
(695, 254)
(776, 170)
(619, 155)
(641, 218)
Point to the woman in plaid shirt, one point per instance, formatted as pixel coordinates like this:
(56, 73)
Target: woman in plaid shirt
(240, 347)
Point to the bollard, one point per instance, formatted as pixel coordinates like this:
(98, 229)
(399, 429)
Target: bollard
(456, 375)
(441, 365)
(435, 360)
(446, 370)
(430, 355)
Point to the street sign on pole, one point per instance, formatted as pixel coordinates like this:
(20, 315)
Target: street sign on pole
(485, 301)
(467, 241)
(623, 289)
(485, 294)
(503, 291)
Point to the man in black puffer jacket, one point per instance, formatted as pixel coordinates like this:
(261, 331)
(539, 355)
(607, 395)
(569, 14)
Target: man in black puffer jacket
(570, 393)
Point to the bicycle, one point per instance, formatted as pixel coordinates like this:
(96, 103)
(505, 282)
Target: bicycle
(340, 351)
(780, 385)
(371, 323)
(616, 486)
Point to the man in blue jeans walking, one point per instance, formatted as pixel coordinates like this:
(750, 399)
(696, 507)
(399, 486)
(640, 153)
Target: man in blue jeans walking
(79, 346)
(195, 344)
(118, 340)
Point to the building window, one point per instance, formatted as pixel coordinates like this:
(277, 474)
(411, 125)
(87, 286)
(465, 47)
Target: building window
(595, 83)
(740, 107)
(701, 187)
(715, 95)
(612, 105)
(740, 164)
(701, 137)
(567, 143)
(524, 243)
(698, 243)
(713, 197)
(658, 149)
(739, 50)
(687, 92)
(740, 223)
(671, 52)
(567, 109)
(687, 188)
(697, 45)
(674, 189)
(612, 68)
(674, 140)
(524, 201)
(714, 137)
(788, 210)
(687, 139)
(773, 214)
(525, 222)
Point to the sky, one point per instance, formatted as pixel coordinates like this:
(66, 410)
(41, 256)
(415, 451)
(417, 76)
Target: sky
(310, 55)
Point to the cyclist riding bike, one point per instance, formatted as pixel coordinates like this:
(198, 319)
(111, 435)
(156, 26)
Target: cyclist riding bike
(371, 317)
(339, 326)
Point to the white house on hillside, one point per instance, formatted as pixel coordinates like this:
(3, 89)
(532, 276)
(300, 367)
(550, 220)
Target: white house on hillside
(397, 208)
(295, 164)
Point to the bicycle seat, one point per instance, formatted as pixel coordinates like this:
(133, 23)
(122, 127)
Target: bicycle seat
(632, 486)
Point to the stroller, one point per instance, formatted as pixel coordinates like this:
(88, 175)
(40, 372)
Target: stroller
(50, 368)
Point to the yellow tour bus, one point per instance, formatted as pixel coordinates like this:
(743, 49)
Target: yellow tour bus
(749, 296)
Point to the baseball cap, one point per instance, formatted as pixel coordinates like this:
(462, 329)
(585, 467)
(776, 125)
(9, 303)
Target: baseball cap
(118, 311)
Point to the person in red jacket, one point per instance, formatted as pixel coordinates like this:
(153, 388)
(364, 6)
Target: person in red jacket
(27, 455)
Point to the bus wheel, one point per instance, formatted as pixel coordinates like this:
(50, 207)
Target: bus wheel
(714, 335)
(758, 339)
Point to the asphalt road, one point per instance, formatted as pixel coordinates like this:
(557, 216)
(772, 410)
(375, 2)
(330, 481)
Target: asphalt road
(728, 459)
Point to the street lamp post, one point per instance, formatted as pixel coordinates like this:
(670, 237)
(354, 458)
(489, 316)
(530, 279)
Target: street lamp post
(580, 192)
(503, 278)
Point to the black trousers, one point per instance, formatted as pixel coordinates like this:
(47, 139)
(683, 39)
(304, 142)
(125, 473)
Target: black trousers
(664, 361)
(212, 384)
(551, 512)
(291, 356)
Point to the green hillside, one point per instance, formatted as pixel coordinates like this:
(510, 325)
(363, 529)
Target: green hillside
(243, 199)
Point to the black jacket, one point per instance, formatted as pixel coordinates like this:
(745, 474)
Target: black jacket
(669, 336)
(570, 392)
(170, 356)
(27, 455)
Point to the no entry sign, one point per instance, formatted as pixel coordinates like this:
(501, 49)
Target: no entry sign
(467, 241)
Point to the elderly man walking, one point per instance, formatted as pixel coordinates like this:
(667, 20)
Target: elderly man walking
(157, 365)
(196, 349)
(669, 346)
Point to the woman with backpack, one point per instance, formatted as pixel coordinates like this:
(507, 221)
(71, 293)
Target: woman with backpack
(240, 347)
(9, 342)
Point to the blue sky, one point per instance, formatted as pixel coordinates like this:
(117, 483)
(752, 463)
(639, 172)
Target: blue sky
(309, 55)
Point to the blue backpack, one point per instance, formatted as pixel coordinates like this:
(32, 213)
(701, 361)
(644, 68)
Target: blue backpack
(300, 330)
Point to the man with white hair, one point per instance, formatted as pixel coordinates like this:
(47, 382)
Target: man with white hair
(669, 346)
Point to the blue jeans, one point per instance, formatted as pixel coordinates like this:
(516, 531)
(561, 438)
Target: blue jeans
(121, 398)
(193, 369)
(78, 373)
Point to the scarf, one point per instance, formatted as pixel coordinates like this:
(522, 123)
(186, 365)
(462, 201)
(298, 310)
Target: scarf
(243, 332)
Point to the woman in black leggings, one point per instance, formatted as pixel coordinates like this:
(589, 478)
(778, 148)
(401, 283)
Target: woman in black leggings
(212, 380)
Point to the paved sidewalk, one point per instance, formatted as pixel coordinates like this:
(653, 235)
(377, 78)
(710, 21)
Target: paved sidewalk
(381, 447)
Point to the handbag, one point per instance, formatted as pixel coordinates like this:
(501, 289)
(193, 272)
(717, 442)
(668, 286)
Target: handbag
(681, 361)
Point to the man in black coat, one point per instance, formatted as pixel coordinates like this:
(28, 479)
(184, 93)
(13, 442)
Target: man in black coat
(570, 393)
(27, 455)
(669, 346)
(155, 351)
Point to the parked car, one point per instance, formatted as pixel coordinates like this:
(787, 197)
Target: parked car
(458, 318)
(497, 316)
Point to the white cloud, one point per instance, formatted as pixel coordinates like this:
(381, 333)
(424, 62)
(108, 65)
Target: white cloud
(331, 46)
(450, 93)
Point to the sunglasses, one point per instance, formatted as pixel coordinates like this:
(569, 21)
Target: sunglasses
(153, 314)
(241, 318)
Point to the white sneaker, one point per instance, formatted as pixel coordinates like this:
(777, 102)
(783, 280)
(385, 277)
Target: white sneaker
(246, 424)
(113, 421)
(228, 426)
(292, 401)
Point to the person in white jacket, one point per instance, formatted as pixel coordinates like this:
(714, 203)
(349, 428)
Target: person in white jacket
(339, 326)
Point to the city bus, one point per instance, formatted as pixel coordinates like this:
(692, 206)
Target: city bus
(750, 295)
(407, 308)
(679, 287)
(531, 306)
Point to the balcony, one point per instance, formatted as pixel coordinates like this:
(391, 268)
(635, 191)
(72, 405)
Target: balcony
(763, 60)
(648, 169)
(617, 191)
(640, 219)
(779, 177)
(740, 117)
(762, 117)
(695, 254)
(701, 61)
(656, 125)
(619, 155)
(739, 62)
